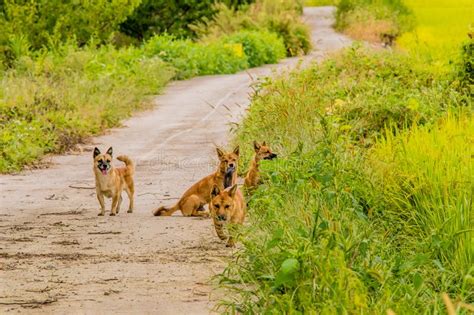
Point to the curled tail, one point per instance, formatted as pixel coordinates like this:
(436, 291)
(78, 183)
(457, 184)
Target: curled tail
(164, 211)
(128, 162)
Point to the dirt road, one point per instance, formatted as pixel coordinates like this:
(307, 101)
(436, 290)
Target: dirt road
(58, 256)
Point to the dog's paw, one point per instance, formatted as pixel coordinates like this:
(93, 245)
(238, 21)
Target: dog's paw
(112, 214)
(101, 214)
(130, 211)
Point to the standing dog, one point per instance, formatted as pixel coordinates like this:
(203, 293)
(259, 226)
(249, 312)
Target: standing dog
(110, 181)
(262, 152)
(227, 206)
(198, 195)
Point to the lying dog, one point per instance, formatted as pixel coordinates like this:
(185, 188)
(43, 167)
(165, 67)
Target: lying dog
(198, 195)
(262, 152)
(110, 181)
(227, 206)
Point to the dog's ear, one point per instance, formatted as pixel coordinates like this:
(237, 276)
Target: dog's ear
(215, 191)
(110, 151)
(96, 152)
(236, 150)
(264, 143)
(220, 153)
(233, 190)
(256, 146)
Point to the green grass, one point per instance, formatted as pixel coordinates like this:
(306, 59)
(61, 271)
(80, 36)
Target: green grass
(358, 214)
(318, 3)
(373, 20)
(441, 27)
(56, 99)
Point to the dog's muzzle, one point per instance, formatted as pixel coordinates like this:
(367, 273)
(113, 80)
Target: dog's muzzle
(103, 167)
(270, 157)
(228, 176)
(230, 170)
(221, 217)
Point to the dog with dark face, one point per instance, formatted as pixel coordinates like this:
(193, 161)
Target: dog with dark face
(262, 152)
(198, 195)
(111, 181)
(227, 206)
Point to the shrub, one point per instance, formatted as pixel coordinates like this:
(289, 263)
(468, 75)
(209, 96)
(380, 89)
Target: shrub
(50, 22)
(374, 20)
(259, 47)
(280, 17)
(466, 66)
(173, 17)
(191, 59)
(53, 101)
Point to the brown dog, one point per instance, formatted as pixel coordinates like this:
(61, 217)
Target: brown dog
(198, 195)
(110, 181)
(227, 206)
(262, 152)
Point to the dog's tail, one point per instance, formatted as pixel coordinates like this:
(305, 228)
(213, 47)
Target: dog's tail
(128, 162)
(165, 211)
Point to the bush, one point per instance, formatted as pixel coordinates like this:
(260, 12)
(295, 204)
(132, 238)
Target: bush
(374, 20)
(50, 22)
(357, 216)
(466, 67)
(173, 17)
(53, 101)
(280, 17)
(217, 57)
(190, 59)
(259, 47)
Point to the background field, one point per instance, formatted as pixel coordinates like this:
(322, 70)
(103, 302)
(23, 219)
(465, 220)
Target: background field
(441, 26)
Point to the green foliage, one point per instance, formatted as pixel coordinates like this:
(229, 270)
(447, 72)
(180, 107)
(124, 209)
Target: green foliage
(47, 23)
(466, 67)
(51, 102)
(218, 57)
(163, 16)
(359, 214)
(191, 59)
(259, 47)
(374, 20)
(317, 3)
(280, 17)
(426, 177)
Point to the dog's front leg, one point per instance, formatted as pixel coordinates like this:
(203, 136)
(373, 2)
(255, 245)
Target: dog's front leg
(100, 197)
(115, 202)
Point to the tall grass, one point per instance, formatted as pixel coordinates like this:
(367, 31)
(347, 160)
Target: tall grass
(374, 20)
(426, 174)
(51, 101)
(441, 27)
(359, 214)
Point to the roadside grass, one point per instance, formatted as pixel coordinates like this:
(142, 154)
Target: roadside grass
(318, 3)
(441, 27)
(358, 214)
(191, 59)
(279, 17)
(56, 99)
(379, 21)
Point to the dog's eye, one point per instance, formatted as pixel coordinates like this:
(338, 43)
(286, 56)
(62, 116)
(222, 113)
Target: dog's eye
(216, 206)
(227, 206)
(108, 161)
